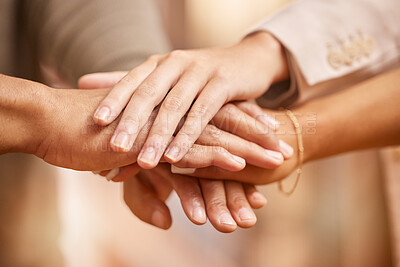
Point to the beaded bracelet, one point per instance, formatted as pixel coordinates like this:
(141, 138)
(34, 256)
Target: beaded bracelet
(297, 127)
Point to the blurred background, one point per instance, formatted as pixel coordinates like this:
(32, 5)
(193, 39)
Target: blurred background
(335, 218)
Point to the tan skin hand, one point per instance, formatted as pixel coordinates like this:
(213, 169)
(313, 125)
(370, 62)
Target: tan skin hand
(56, 126)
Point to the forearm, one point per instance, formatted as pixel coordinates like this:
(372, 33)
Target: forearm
(364, 116)
(21, 111)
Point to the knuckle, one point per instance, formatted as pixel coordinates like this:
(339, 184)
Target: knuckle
(221, 74)
(213, 131)
(200, 110)
(147, 89)
(229, 109)
(177, 54)
(128, 79)
(238, 200)
(216, 204)
(154, 58)
(173, 103)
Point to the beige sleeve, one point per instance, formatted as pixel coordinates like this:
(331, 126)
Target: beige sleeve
(333, 44)
(83, 36)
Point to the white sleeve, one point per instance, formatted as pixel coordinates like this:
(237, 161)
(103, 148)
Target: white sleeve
(333, 44)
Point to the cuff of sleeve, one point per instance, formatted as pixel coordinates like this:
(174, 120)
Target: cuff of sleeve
(282, 94)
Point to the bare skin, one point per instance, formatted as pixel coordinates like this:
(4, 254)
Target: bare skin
(364, 116)
(331, 125)
(56, 125)
(193, 82)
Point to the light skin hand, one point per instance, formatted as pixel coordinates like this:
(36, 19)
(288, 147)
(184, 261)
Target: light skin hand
(248, 130)
(210, 74)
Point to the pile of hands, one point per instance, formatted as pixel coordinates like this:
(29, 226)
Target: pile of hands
(178, 122)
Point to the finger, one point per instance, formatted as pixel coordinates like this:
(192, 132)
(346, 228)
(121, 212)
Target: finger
(255, 198)
(258, 113)
(189, 192)
(145, 98)
(253, 153)
(144, 203)
(172, 109)
(110, 108)
(250, 174)
(100, 80)
(199, 116)
(109, 174)
(204, 156)
(239, 205)
(126, 173)
(217, 210)
(160, 184)
(231, 119)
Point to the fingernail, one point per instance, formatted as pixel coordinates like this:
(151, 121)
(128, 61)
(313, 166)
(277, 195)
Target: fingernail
(177, 170)
(121, 140)
(199, 215)
(96, 172)
(286, 149)
(246, 215)
(226, 219)
(238, 161)
(157, 219)
(148, 155)
(172, 153)
(102, 114)
(275, 157)
(112, 174)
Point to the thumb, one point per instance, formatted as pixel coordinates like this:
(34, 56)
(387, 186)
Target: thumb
(100, 79)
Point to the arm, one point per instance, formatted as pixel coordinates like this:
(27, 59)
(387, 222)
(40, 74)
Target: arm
(365, 116)
(21, 111)
(55, 125)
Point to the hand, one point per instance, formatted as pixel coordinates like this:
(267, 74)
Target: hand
(243, 71)
(236, 134)
(256, 175)
(56, 125)
(227, 204)
(70, 139)
(243, 119)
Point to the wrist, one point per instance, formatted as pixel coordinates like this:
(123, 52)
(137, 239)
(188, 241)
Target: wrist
(271, 52)
(309, 125)
(22, 109)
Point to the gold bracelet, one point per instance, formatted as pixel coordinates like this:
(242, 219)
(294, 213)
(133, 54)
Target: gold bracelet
(296, 125)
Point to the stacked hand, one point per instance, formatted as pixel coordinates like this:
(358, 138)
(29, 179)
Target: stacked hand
(193, 83)
(238, 131)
